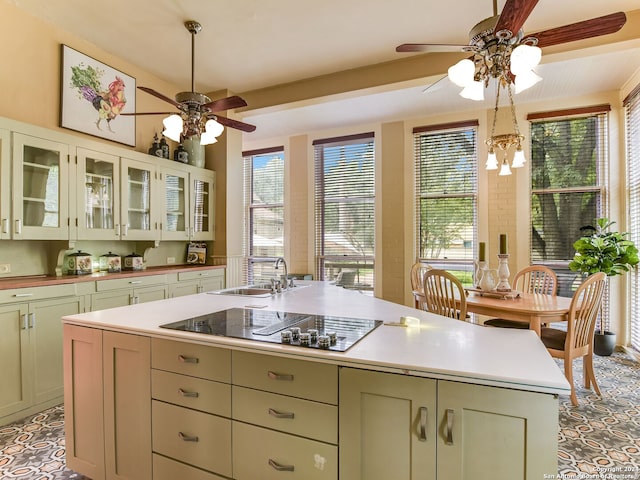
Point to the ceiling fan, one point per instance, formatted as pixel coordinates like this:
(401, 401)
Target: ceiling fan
(492, 40)
(196, 110)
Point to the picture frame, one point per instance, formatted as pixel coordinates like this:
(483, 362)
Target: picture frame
(93, 97)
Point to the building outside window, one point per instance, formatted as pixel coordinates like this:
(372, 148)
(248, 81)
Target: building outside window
(568, 178)
(446, 165)
(264, 211)
(344, 210)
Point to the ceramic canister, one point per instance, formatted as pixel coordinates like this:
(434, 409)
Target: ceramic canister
(133, 262)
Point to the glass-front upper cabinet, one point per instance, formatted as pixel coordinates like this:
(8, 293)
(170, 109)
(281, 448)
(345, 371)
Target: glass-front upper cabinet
(175, 219)
(202, 206)
(138, 216)
(40, 189)
(5, 184)
(98, 196)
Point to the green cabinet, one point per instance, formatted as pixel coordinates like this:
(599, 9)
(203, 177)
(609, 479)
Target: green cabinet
(31, 353)
(198, 281)
(403, 427)
(5, 184)
(121, 292)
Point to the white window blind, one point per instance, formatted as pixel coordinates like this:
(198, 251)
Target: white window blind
(264, 211)
(446, 175)
(344, 210)
(632, 111)
(568, 185)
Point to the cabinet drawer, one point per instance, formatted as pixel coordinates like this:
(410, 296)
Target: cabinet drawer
(192, 437)
(318, 421)
(191, 392)
(201, 274)
(12, 295)
(130, 282)
(200, 361)
(268, 455)
(297, 378)
(167, 469)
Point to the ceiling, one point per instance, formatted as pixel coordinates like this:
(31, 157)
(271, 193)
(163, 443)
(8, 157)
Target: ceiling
(247, 45)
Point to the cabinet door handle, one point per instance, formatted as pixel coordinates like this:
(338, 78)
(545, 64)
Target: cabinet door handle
(25, 324)
(125, 230)
(18, 226)
(5, 225)
(187, 438)
(449, 440)
(184, 359)
(281, 468)
(32, 320)
(186, 393)
(277, 414)
(280, 376)
(117, 229)
(423, 424)
(18, 295)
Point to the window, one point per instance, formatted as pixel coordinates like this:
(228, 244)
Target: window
(568, 159)
(344, 208)
(446, 165)
(264, 211)
(632, 110)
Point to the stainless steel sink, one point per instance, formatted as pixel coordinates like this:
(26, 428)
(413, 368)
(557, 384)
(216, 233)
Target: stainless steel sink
(258, 290)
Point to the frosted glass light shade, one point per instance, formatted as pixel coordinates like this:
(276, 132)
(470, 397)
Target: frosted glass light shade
(518, 159)
(504, 169)
(473, 91)
(212, 129)
(492, 161)
(173, 127)
(462, 72)
(524, 58)
(525, 80)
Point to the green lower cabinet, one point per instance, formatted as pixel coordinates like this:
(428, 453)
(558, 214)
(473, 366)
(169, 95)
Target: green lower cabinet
(412, 428)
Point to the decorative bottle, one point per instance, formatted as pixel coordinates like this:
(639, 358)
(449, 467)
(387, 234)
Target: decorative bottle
(164, 148)
(180, 154)
(155, 147)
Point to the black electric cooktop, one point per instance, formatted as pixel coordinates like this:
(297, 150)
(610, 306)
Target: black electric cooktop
(266, 326)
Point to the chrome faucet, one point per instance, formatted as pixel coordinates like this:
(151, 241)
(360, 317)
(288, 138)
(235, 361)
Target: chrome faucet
(285, 278)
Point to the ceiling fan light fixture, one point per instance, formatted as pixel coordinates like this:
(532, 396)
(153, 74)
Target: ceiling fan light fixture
(524, 58)
(473, 91)
(212, 129)
(173, 126)
(462, 73)
(526, 80)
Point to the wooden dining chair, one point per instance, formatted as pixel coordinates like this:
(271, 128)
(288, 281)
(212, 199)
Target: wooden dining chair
(531, 279)
(441, 290)
(577, 340)
(418, 270)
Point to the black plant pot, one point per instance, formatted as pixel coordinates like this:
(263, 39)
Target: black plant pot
(604, 343)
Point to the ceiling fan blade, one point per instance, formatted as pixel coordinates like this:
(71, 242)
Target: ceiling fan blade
(225, 104)
(227, 122)
(150, 113)
(514, 14)
(429, 47)
(593, 27)
(151, 91)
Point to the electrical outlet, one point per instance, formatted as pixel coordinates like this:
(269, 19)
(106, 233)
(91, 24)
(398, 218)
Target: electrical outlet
(171, 260)
(5, 268)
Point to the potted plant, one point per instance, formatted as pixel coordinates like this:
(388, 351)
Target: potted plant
(609, 252)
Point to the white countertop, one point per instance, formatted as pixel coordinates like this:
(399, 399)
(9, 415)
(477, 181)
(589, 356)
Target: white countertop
(435, 347)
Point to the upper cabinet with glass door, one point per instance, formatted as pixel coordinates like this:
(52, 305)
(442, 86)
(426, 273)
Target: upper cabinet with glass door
(5, 184)
(203, 185)
(139, 217)
(98, 195)
(175, 218)
(40, 189)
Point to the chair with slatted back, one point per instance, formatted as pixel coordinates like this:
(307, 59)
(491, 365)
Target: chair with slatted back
(532, 279)
(418, 270)
(577, 340)
(444, 295)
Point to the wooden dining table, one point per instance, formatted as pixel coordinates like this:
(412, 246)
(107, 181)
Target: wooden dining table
(534, 308)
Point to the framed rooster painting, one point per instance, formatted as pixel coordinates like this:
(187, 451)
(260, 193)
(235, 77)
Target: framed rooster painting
(94, 97)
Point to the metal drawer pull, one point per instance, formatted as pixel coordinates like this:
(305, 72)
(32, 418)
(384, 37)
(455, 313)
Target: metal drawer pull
(186, 393)
(184, 359)
(135, 282)
(280, 376)
(281, 468)
(18, 295)
(187, 438)
(423, 424)
(277, 414)
(449, 440)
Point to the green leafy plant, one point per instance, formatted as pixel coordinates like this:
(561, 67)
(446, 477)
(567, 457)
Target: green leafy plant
(604, 251)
